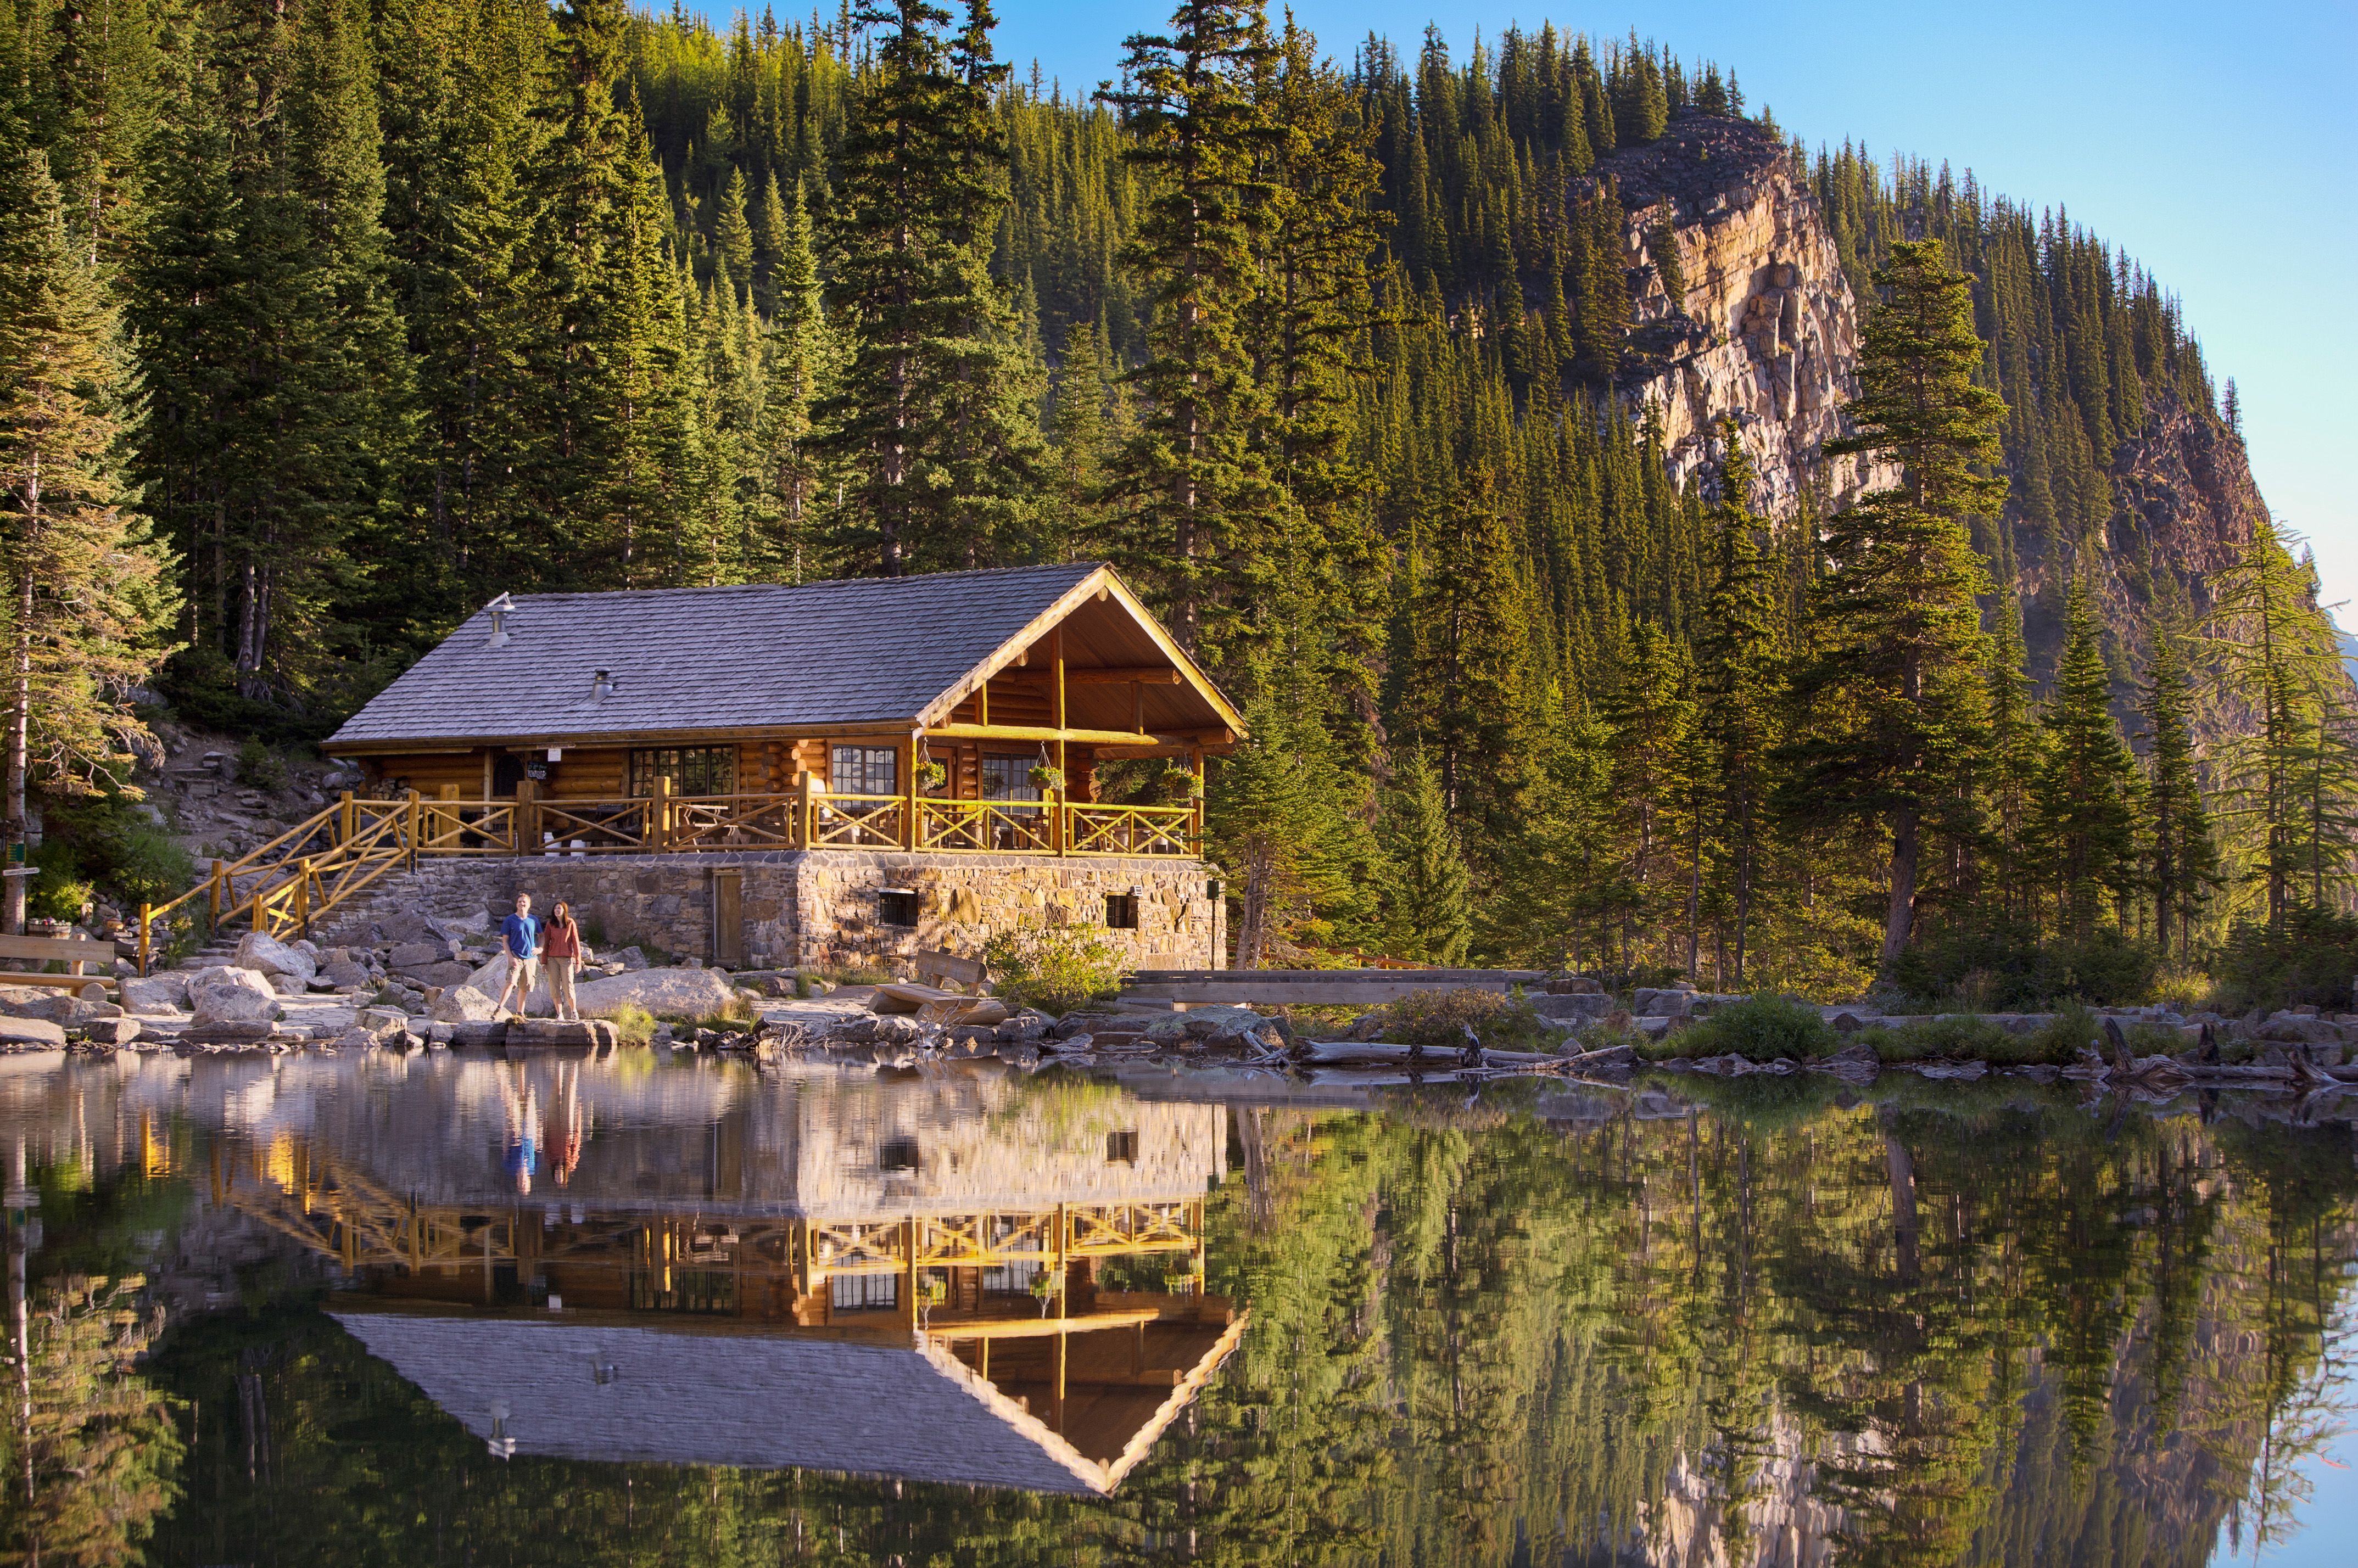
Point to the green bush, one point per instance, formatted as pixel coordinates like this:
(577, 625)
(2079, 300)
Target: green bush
(1759, 1029)
(1439, 1022)
(259, 767)
(2002, 965)
(105, 843)
(1054, 968)
(635, 1024)
(2310, 959)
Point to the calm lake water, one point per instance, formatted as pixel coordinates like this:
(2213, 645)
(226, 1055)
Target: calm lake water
(459, 1309)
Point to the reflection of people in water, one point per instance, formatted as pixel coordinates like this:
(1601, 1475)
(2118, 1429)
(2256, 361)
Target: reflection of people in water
(567, 1126)
(523, 1107)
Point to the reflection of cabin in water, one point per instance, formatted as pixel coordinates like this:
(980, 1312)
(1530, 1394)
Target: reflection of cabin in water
(1011, 1296)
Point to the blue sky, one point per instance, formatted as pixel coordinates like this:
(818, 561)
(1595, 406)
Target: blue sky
(2213, 141)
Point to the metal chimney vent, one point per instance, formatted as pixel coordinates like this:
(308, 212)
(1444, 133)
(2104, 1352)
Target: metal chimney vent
(500, 607)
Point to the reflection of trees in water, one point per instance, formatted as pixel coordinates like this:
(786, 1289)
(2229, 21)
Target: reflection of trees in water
(91, 1452)
(1960, 1330)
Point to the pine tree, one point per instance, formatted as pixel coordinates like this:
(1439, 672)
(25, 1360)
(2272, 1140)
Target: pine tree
(87, 607)
(2084, 815)
(1196, 529)
(732, 234)
(1892, 696)
(2185, 859)
(1741, 678)
(1648, 716)
(2011, 768)
(930, 411)
(1427, 900)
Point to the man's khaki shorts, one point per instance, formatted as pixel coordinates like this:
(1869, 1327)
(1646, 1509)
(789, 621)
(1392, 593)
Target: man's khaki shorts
(528, 967)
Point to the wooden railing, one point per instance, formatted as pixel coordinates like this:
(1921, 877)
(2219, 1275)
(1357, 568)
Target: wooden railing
(331, 857)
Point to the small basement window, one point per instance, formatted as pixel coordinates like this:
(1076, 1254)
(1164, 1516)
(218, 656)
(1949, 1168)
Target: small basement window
(1121, 910)
(896, 906)
(1121, 1148)
(897, 1155)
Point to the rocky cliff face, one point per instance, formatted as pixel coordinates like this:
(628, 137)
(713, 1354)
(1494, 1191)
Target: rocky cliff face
(1765, 328)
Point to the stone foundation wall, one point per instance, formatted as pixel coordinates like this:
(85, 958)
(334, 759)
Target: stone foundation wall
(820, 908)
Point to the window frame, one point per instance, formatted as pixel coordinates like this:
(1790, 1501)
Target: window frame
(838, 752)
(1121, 910)
(683, 765)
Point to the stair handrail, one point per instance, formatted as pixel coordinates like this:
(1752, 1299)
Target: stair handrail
(221, 879)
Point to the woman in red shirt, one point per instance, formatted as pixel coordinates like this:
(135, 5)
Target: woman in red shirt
(561, 955)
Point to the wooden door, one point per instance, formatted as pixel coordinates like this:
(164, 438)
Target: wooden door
(728, 916)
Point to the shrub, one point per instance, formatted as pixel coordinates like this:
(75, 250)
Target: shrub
(107, 842)
(1440, 1022)
(1054, 968)
(2005, 966)
(259, 767)
(2308, 957)
(2061, 1038)
(634, 1023)
(1759, 1029)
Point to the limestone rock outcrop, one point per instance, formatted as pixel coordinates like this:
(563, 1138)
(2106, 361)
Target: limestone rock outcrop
(1765, 327)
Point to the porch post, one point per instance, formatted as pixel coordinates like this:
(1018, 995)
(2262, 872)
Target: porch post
(1060, 826)
(1196, 755)
(659, 815)
(910, 836)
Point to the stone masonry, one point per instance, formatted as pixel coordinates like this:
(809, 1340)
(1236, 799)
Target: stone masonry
(824, 908)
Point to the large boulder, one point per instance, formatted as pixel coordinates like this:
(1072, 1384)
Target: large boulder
(418, 954)
(1573, 1008)
(464, 1004)
(277, 960)
(492, 979)
(670, 993)
(156, 995)
(231, 995)
(30, 1034)
(343, 974)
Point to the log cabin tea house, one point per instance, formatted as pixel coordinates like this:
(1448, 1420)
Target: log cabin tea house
(834, 773)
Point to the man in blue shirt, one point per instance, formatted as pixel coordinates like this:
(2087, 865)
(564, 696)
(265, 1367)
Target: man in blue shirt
(521, 936)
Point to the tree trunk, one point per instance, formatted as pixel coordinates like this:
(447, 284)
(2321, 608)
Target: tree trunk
(20, 714)
(1900, 916)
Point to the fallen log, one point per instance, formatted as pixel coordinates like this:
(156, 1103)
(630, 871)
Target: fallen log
(1378, 1053)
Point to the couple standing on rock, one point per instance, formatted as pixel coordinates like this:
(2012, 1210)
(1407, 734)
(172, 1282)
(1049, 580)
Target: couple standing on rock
(528, 941)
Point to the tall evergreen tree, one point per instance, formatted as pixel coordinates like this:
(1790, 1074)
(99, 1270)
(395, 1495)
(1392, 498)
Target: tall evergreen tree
(2085, 818)
(86, 602)
(2185, 857)
(1741, 673)
(1200, 500)
(1892, 700)
(929, 411)
(1427, 893)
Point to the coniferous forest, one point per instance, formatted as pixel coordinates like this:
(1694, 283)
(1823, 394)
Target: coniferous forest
(324, 322)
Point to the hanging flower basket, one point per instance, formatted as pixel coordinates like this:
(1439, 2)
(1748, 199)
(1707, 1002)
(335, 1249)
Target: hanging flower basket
(931, 775)
(933, 1292)
(1047, 779)
(1179, 785)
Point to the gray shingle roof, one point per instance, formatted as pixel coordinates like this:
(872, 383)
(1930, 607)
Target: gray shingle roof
(862, 650)
(576, 1391)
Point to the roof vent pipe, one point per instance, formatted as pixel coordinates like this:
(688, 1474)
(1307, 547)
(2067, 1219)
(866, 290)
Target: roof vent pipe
(500, 607)
(602, 685)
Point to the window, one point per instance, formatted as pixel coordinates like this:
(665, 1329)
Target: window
(693, 769)
(1006, 777)
(863, 770)
(895, 907)
(1121, 910)
(897, 1155)
(864, 1293)
(1121, 1148)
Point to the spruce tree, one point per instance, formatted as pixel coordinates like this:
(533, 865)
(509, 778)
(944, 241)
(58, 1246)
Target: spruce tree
(1649, 715)
(2185, 857)
(1200, 502)
(1427, 893)
(1892, 700)
(732, 234)
(1741, 680)
(930, 411)
(2084, 818)
(87, 608)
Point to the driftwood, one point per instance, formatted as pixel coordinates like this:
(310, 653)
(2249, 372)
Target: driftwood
(1471, 1057)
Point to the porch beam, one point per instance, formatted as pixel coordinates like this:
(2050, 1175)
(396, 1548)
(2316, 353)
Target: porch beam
(1077, 737)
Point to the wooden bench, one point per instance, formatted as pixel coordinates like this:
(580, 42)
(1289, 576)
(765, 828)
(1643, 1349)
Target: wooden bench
(75, 951)
(945, 969)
